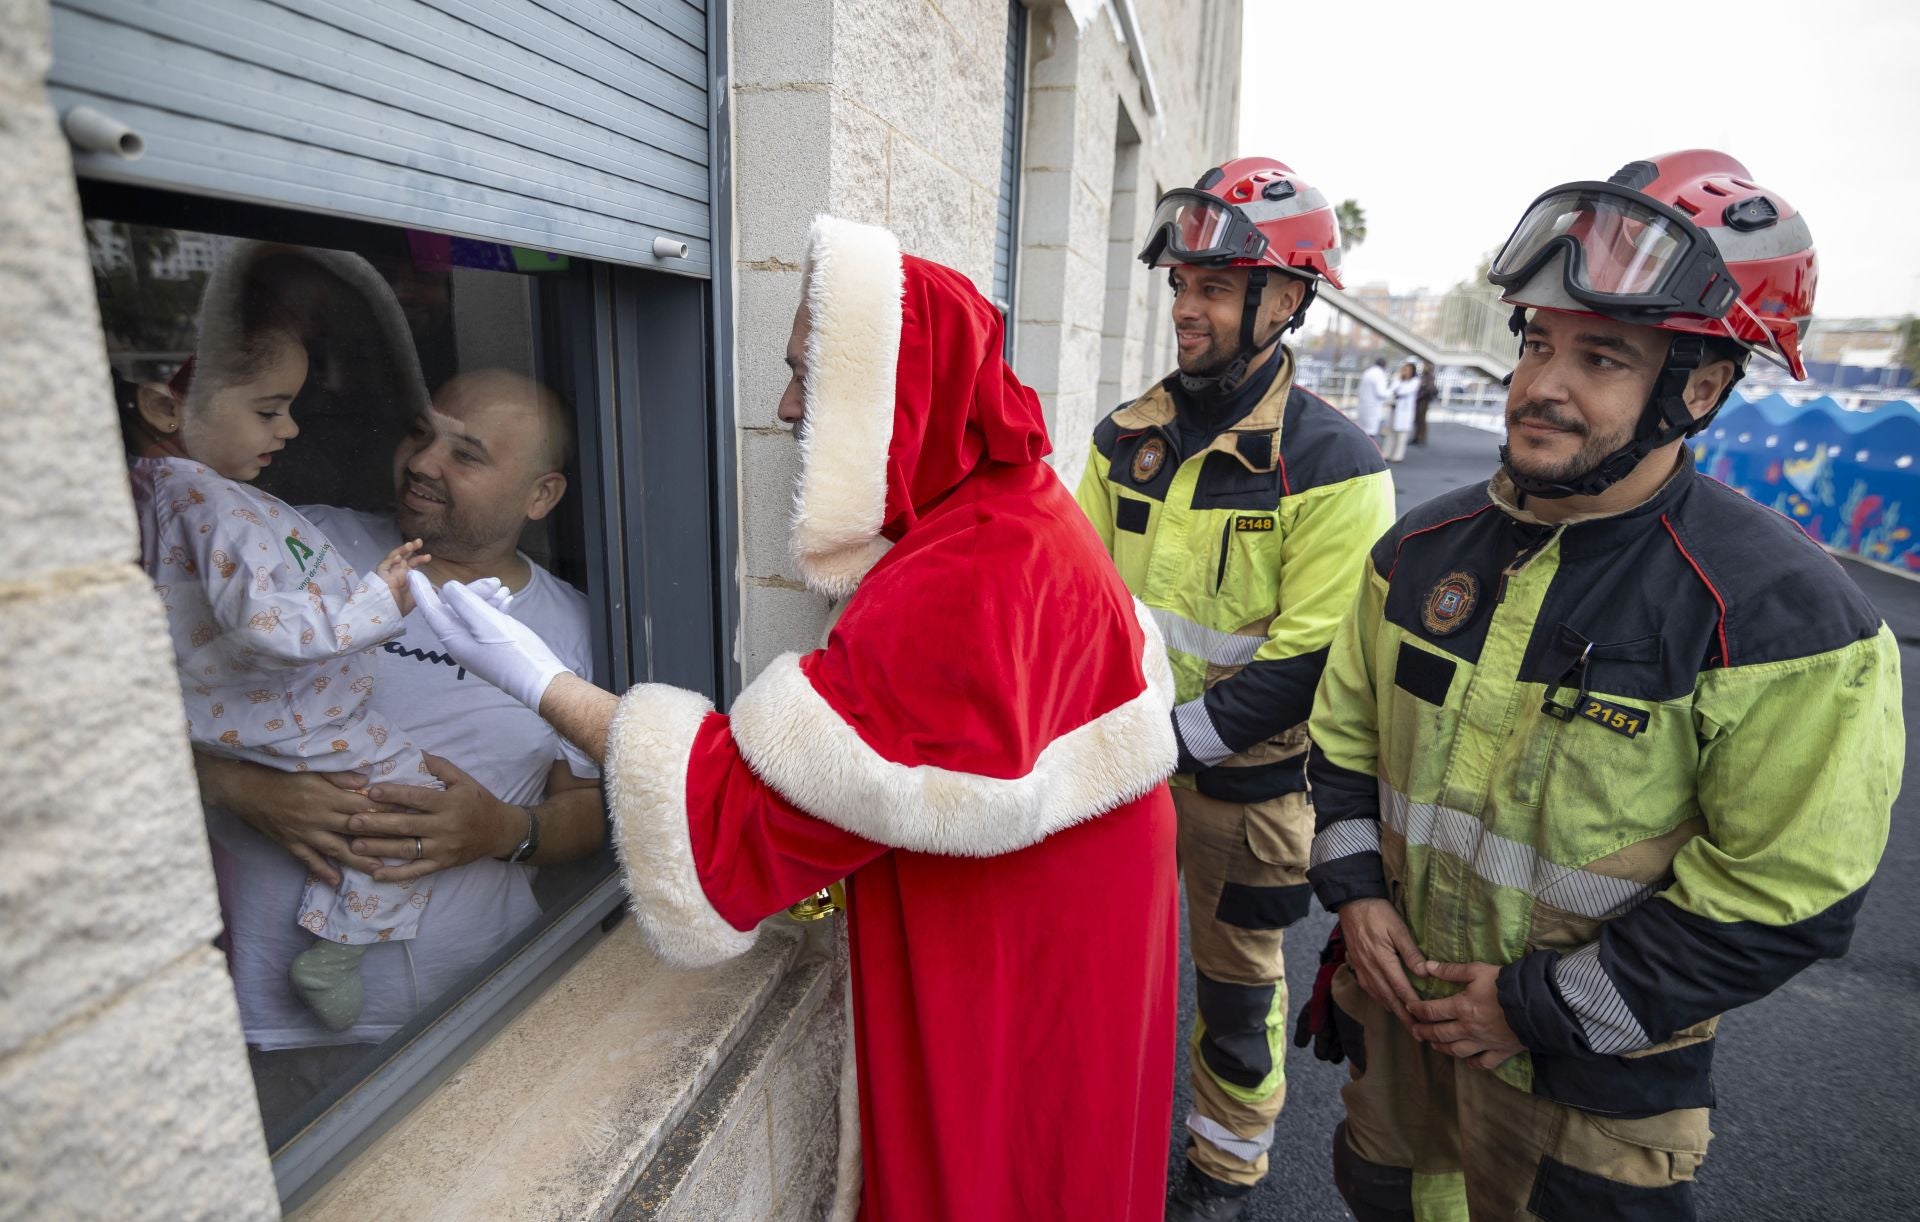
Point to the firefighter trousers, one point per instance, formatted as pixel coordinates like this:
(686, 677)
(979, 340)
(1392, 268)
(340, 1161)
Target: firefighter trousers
(1429, 1138)
(1245, 872)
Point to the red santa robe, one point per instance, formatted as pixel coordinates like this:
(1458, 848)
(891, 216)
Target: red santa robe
(979, 750)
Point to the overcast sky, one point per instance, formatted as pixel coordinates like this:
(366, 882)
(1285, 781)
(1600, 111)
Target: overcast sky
(1445, 120)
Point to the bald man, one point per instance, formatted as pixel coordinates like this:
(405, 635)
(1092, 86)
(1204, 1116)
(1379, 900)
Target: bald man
(484, 459)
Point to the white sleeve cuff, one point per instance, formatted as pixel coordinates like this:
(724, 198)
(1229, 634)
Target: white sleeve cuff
(648, 746)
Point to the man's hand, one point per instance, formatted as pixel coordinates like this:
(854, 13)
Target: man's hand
(461, 823)
(1381, 951)
(482, 637)
(306, 813)
(1470, 1024)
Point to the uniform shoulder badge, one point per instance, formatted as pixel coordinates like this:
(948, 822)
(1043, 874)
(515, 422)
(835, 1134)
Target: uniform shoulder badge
(1450, 604)
(1148, 459)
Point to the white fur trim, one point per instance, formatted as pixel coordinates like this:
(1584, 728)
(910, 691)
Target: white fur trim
(854, 285)
(796, 742)
(648, 746)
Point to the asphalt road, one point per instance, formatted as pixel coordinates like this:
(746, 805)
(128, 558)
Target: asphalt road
(1818, 1084)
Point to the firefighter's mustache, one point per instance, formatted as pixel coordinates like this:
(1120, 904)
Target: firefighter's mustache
(1547, 416)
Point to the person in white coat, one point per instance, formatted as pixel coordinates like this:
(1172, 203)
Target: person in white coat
(1374, 397)
(1404, 391)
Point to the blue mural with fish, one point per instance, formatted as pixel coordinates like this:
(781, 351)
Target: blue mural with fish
(1845, 477)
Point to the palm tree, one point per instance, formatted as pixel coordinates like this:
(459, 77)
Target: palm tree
(1353, 222)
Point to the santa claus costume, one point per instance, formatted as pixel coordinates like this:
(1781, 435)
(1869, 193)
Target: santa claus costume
(979, 750)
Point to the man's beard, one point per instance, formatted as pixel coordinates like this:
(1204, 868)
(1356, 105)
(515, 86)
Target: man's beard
(1210, 362)
(448, 533)
(1581, 463)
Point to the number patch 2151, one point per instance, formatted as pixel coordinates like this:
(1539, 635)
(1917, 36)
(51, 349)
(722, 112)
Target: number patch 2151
(1620, 718)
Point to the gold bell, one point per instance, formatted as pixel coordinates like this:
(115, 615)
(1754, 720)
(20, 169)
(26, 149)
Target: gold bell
(820, 904)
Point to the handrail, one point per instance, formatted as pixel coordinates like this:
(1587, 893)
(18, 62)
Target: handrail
(1426, 348)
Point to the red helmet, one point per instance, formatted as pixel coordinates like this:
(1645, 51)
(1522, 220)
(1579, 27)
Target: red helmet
(1250, 212)
(1685, 242)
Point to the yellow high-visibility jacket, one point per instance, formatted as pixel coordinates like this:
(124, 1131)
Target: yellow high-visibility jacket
(1643, 762)
(1248, 554)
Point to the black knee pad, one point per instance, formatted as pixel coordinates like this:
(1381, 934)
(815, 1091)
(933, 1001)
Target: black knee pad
(1375, 1193)
(1234, 1045)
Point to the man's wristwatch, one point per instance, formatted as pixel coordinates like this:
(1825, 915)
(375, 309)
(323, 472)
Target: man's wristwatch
(531, 845)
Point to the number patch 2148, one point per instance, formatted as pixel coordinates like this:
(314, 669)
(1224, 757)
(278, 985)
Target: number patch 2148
(1620, 718)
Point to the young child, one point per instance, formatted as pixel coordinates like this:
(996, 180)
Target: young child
(269, 623)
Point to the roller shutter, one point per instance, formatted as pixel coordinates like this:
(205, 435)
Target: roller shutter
(574, 126)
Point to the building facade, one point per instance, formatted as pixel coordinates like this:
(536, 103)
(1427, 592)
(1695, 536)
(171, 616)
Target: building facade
(612, 200)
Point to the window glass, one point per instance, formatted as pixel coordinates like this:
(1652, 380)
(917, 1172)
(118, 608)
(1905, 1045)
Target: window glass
(292, 414)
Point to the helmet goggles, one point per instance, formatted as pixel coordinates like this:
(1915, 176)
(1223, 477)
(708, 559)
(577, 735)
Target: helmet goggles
(1192, 226)
(1627, 256)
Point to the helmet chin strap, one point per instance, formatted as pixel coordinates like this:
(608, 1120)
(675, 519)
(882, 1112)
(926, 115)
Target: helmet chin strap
(1229, 379)
(1663, 421)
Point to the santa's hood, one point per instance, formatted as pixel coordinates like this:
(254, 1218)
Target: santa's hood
(907, 394)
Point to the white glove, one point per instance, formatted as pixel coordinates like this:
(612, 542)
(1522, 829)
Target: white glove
(486, 640)
(494, 591)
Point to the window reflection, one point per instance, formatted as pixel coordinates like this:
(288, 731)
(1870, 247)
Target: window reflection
(293, 415)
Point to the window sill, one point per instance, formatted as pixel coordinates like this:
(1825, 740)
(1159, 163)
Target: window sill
(558, 1114)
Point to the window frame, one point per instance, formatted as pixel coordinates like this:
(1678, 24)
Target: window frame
(1006, 254)
(630, 338)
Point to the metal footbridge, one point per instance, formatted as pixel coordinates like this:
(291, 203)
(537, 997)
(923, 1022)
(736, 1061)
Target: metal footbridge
(1483, 355)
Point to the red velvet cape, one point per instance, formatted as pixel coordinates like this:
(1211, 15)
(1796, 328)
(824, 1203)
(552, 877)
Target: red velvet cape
(979, 749)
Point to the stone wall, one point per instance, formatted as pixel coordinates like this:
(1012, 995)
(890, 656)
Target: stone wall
(890, 112)
(1092, 326)
(881, 112)
(108, 976)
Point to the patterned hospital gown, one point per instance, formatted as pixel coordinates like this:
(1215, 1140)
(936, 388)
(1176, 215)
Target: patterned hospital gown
(268, 626)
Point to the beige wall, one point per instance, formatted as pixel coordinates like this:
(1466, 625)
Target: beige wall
(886, 111)
(889, 111)
(121, 1061)
(1092, 326)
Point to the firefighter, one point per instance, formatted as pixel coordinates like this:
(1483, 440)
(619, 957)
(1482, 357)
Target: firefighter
(1239, 508)
(1605, 749)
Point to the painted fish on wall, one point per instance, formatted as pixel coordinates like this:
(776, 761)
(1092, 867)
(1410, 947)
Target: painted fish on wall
(1843, 476)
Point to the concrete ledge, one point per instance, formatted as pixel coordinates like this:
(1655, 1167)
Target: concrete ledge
(560, 1113)
(762, 1140)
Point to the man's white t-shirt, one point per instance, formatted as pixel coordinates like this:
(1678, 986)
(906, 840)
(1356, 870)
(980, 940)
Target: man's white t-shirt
(476, 908)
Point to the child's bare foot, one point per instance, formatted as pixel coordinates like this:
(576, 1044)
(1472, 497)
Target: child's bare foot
(394, 569)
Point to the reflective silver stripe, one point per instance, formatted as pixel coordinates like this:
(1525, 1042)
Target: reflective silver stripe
(1344, 839)
(1208, 644)
(1609, 1025)
(1246, 1149)
(1196, 731)
(1293, 205)
(1508, 863)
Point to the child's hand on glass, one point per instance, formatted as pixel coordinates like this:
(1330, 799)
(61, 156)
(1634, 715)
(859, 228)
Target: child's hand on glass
(394, 569)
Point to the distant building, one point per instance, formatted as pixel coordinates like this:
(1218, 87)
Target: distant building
(1855, 354)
